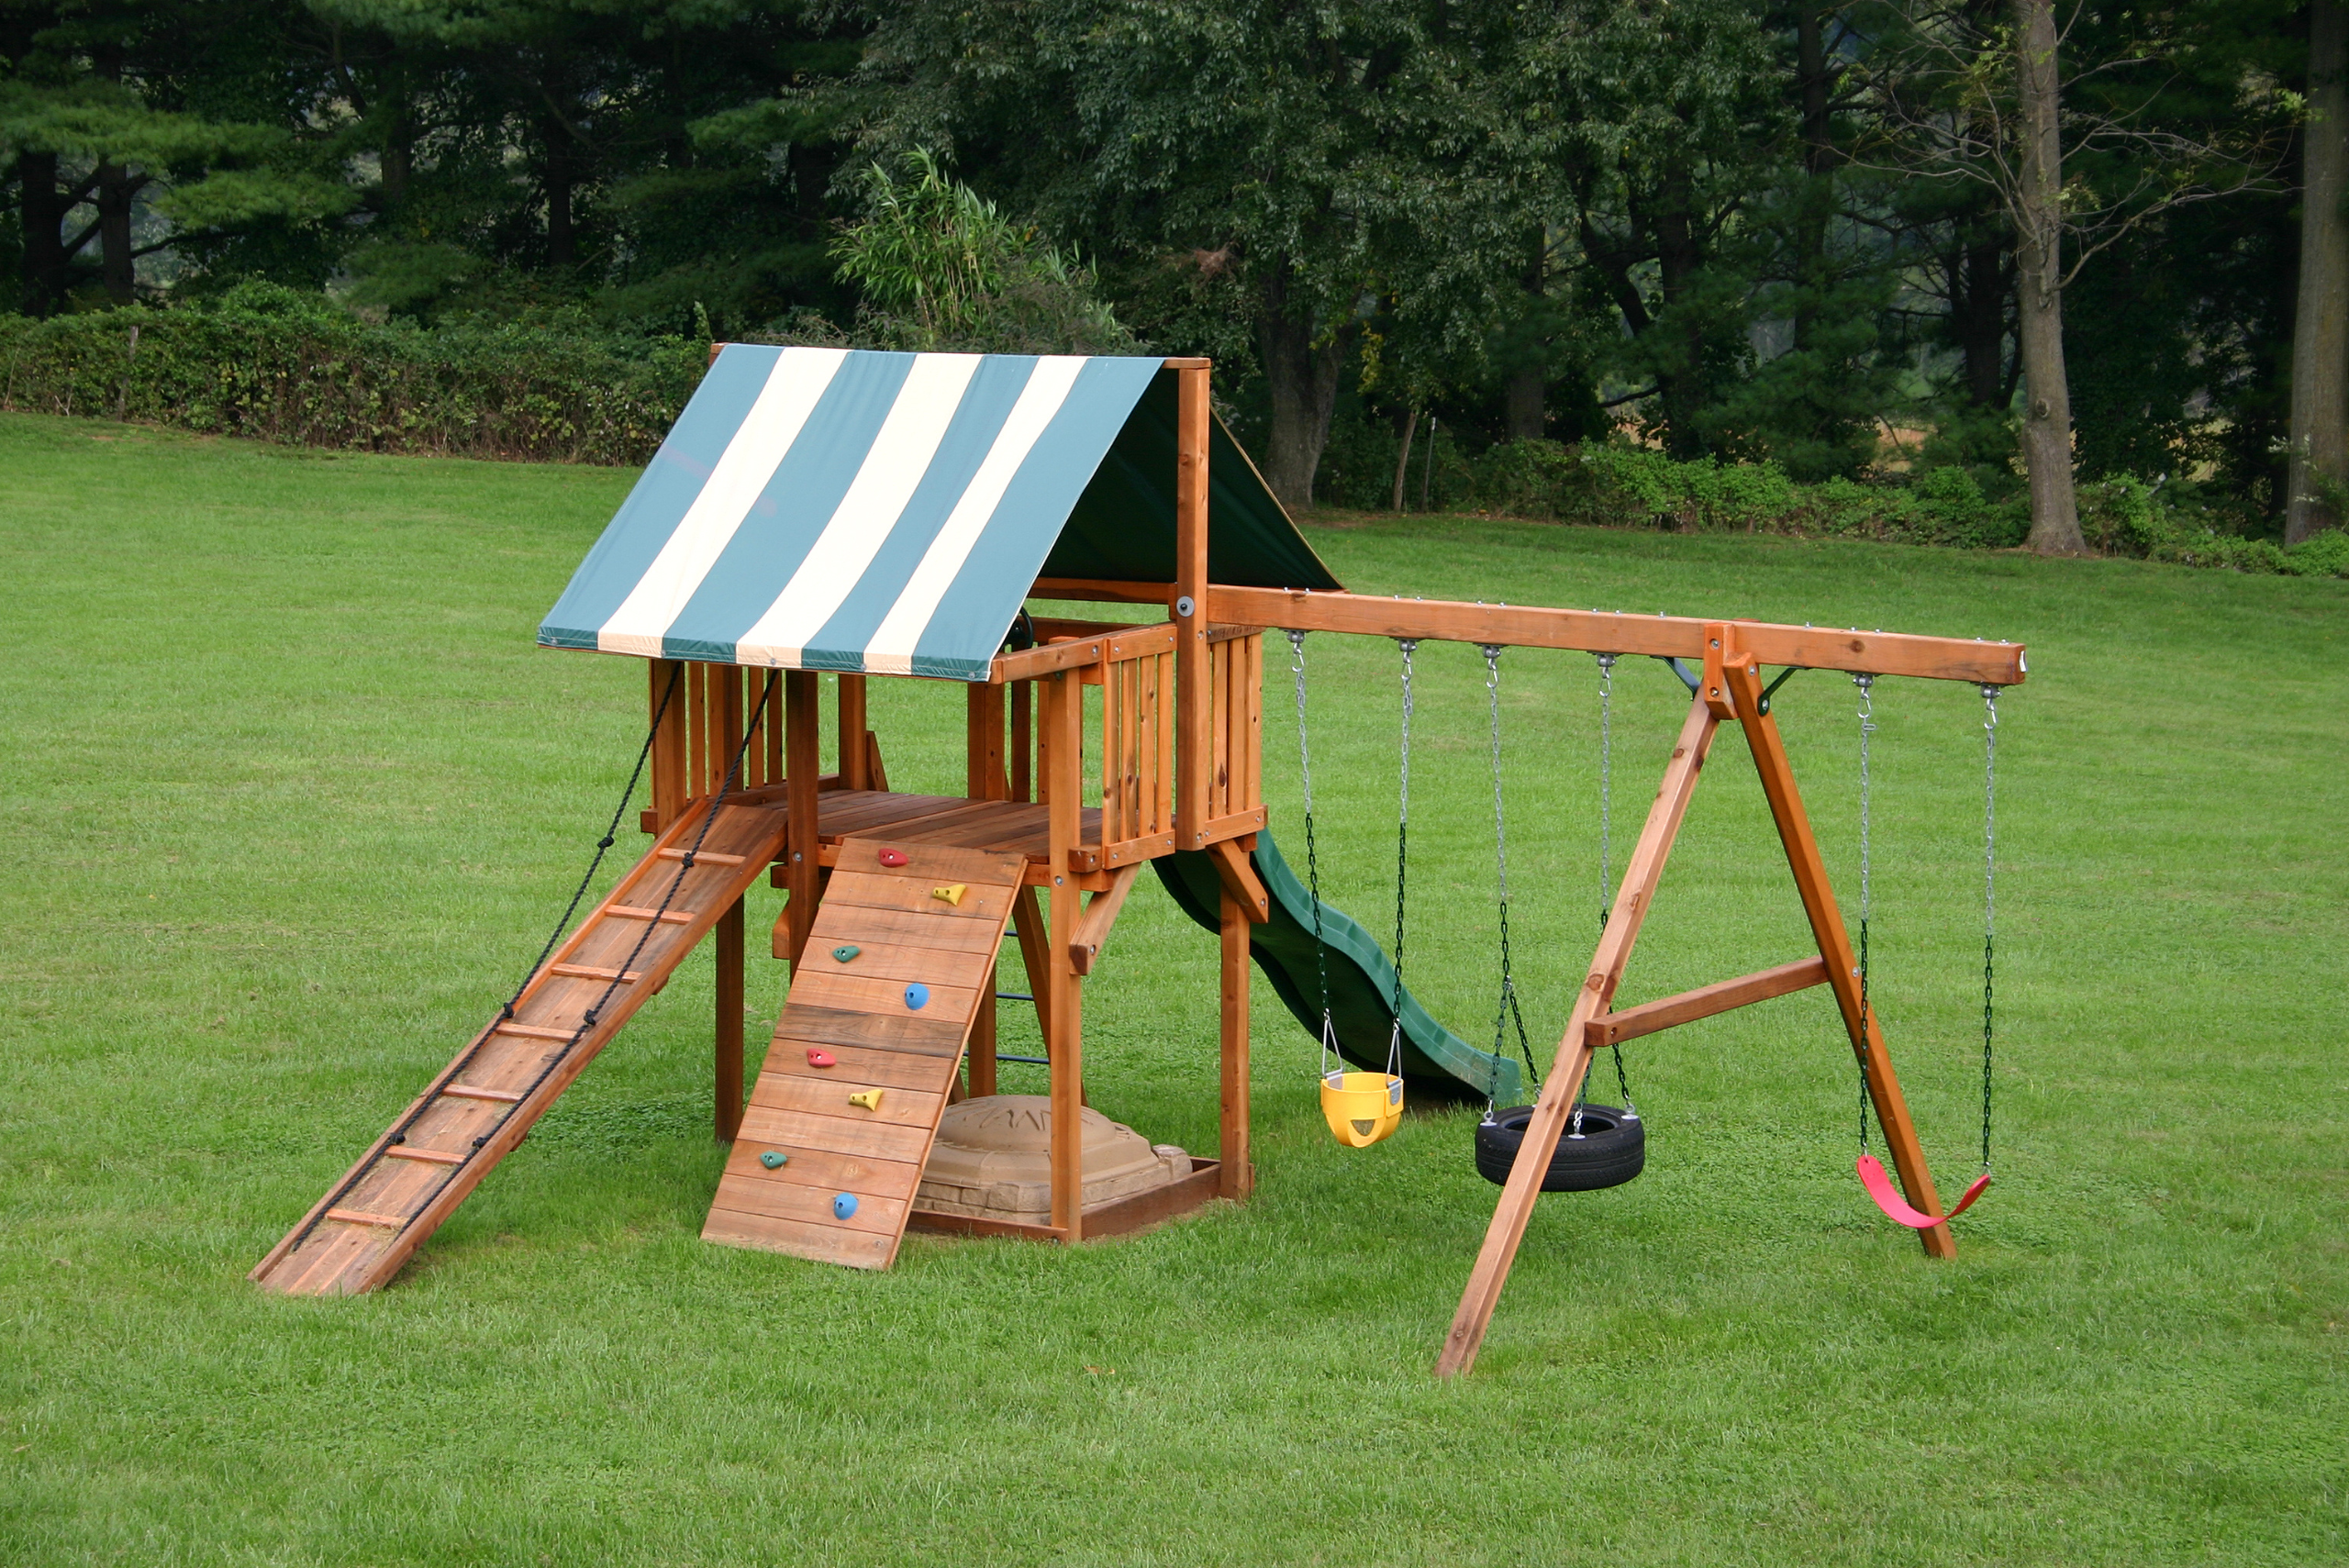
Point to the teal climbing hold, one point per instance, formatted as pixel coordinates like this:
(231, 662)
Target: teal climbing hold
(775, 1159)
(843, 1205)
(846, 952)
(916, 995)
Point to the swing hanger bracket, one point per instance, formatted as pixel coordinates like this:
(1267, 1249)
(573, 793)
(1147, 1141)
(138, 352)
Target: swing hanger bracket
(1721, 649)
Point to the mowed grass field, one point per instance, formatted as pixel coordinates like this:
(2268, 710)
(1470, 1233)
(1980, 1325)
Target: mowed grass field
(290, 799)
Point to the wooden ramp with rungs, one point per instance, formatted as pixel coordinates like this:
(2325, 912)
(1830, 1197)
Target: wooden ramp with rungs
(484, 1101)
(856, 1012)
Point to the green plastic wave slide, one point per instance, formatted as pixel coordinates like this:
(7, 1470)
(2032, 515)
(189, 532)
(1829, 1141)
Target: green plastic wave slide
(1362, 982)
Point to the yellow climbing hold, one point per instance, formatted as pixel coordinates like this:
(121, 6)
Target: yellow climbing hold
(869, 1098)
(953, 893)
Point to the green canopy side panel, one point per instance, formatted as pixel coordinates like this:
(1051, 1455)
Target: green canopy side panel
(1362, 982)
(1122, 528)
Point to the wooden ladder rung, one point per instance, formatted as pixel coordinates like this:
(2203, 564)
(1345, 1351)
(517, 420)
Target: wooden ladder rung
(474, 1092)
(634, 912)
(430, 1156)
(712, 856)
(362, 1216)
(534, 1032)
(591, 971)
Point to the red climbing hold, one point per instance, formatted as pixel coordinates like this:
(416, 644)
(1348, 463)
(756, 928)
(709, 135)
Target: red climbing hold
(821, 1057)
(1879, 1186)
(893, 857)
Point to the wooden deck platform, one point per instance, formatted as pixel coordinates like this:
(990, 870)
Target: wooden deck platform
(946, 821)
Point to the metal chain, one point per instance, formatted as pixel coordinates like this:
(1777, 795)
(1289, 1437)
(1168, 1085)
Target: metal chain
(1312, 856)
(1508, 1008)
(1402, 860)
(1867, 727)
(1989, 893)
(1606, 784)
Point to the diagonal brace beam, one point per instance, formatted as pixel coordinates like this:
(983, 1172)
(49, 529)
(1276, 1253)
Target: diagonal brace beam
(1641, 875)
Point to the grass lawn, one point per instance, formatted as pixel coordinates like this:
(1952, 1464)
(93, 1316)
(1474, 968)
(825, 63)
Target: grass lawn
(290, 797)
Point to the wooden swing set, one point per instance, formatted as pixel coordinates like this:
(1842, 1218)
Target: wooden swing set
(1729, 688)
(737, 788)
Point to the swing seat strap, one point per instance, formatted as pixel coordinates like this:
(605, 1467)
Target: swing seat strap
(1887, 1198)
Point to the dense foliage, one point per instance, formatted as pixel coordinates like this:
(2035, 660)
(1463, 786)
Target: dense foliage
(268, 361)
(1737, 232)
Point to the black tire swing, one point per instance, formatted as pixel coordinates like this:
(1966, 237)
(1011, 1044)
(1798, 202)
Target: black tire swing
(1604, 1146)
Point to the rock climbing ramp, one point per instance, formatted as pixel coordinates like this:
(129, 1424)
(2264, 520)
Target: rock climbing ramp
(482, 1103)
(832, 1148)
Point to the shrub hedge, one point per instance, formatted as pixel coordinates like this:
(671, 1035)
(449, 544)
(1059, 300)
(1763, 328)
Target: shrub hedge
(268, 363)
(275, 364)
(1621, 486)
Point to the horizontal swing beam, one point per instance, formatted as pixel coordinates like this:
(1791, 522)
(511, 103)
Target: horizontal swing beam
(1589, 631)
(1670, 1012)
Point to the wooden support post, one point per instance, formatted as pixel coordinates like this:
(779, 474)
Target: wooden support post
(984, 779)
(1236, 1177)
(1744, 678)
(855, 771)
(1023, 746)
(801, 765)
(1194, 692)
(668, 761)
(1027, 909)
(983, 771)
(729, 1093)
(1064, 718)
(982, 1049)
(1641, 875)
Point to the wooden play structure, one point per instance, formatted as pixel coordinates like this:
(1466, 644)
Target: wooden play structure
(878, 516)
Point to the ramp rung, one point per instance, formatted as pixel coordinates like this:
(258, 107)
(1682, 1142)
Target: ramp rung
(712, 856)
(369, 1242)
(430, 1156)
(535, 1031)
(594, 972)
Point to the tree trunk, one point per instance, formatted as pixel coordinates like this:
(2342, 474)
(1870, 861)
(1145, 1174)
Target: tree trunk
(1526, 394)
(2321, 333)
(1680, 367)
(41, 215)
(1403, 459)
(1303, 380)
(2039, 219)
(399, 137)
(1819, 154)
(116, 188)
(562, 244)
(1980, 306)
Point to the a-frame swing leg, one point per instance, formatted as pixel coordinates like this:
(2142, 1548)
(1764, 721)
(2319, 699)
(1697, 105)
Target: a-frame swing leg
(1733, 686)
(1641, 875)
(1743, 678)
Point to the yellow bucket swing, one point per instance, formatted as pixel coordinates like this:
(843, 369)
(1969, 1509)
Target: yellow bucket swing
(1361, 1107)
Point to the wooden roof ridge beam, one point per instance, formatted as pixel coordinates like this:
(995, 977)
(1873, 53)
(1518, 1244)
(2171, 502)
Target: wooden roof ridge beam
(1603, 631)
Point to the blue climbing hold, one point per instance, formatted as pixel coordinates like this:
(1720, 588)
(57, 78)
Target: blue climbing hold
(775, 1159)
(916, 995)
(843, 1205)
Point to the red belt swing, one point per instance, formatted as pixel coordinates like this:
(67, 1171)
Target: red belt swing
(1873, 1175)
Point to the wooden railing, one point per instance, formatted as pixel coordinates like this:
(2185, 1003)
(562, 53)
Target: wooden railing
(1141, 741)
(1137, 751)
(1235, 802)
(710, 710)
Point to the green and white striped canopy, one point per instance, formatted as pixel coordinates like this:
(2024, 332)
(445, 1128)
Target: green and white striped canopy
(828, 509)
